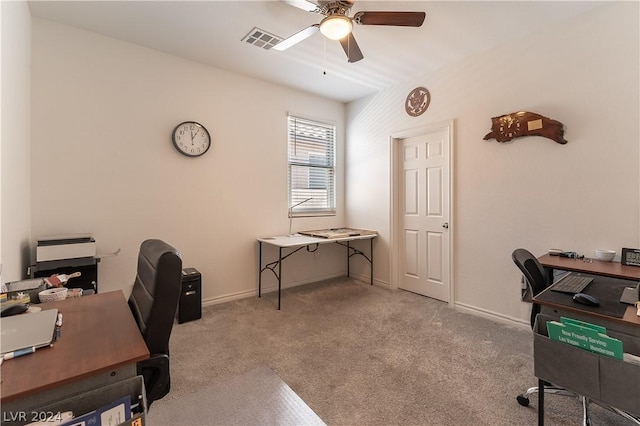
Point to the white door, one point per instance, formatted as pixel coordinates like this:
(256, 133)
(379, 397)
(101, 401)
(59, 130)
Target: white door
(424, 203)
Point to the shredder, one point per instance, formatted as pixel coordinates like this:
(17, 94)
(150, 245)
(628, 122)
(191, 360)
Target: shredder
(190, 303)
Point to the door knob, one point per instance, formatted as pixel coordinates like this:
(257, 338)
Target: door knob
(445, 225)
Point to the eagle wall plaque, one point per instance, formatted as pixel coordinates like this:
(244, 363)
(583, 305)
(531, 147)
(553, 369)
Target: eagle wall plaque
(417, 101)
(523, 123)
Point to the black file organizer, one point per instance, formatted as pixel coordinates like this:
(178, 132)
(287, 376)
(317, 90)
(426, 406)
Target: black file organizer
(602, 379)
(89, 401)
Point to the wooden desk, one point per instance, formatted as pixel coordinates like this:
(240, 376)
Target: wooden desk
(596, 267)
(297, 242)
(99, 343)
(556, 304)
(613, 382)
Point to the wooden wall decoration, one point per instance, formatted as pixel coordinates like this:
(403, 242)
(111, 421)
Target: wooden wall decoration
(522, 123)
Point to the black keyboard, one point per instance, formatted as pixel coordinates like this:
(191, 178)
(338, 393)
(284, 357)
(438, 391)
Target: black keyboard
(571, 284)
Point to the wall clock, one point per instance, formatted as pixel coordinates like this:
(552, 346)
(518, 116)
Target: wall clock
(191, 139)
(417, 101)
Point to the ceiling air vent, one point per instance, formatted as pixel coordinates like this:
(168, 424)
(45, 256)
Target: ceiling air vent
(262, 39)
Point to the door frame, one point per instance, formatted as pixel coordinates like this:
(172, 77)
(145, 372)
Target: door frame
(395, 216)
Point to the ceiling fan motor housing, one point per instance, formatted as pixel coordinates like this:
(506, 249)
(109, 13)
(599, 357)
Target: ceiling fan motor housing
(336, 8)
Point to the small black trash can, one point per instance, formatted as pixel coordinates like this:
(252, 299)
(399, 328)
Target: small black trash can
(190, 304)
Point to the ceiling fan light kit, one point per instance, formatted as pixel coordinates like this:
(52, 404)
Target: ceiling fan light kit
(336, 27)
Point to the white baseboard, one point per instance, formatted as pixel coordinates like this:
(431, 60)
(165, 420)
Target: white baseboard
(254, 293)
(229, 297)
(266, 289)
(366, 279)
(491, 315)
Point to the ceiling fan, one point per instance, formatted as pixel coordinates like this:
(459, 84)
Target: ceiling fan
(337, 25)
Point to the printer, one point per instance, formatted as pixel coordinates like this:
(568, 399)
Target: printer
(67, 255)
(66, 247)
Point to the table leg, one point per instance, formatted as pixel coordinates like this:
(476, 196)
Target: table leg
(586, 421)
(348, 259)
(279, 275)
(371, 263)
(540, 402)
(260, 269)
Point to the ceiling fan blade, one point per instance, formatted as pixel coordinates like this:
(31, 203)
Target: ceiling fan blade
(399, 19)
(303, 4)
(351, 48)
(297, 37)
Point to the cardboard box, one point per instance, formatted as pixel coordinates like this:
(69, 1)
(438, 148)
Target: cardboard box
(25, 291)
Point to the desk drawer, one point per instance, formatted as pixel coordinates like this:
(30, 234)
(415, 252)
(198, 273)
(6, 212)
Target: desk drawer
(604, 379)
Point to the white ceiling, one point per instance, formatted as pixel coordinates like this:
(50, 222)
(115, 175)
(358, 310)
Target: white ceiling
(210, 32)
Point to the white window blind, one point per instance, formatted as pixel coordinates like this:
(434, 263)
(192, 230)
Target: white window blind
(311, 167)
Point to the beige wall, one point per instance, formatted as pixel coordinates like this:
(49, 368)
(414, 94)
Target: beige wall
(532, 192)
(15, 145)
(103, 162)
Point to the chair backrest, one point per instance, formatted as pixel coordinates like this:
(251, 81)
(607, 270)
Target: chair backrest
(156, 291)
(531, 269)
(533, 273)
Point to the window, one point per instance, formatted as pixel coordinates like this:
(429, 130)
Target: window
(312, 167)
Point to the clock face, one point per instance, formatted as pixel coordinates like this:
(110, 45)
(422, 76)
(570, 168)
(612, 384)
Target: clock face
(191, 139)
(509, 126)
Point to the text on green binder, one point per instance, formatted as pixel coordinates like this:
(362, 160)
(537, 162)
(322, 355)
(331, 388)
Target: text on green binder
(584, 335)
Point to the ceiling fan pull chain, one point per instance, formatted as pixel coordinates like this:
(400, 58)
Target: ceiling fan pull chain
(324, 56)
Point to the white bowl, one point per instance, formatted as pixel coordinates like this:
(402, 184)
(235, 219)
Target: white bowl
(605, 255)
(53, 294)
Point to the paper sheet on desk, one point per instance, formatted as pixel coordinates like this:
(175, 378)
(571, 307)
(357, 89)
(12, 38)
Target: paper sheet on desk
(629, 295)
(337, 232)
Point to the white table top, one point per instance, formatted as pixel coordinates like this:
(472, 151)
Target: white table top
(297, 240)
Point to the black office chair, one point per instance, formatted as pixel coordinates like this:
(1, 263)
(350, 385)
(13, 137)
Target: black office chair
(153, 302)
(536, 280)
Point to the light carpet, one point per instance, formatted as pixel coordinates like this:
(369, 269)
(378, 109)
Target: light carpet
(363, 355)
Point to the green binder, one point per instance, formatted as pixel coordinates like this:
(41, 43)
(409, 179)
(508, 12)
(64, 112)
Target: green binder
(585, 335)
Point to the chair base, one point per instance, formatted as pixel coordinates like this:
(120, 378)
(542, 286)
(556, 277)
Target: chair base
(523, 399)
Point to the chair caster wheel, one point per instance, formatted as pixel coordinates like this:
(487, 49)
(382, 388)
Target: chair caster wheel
(523, 400)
